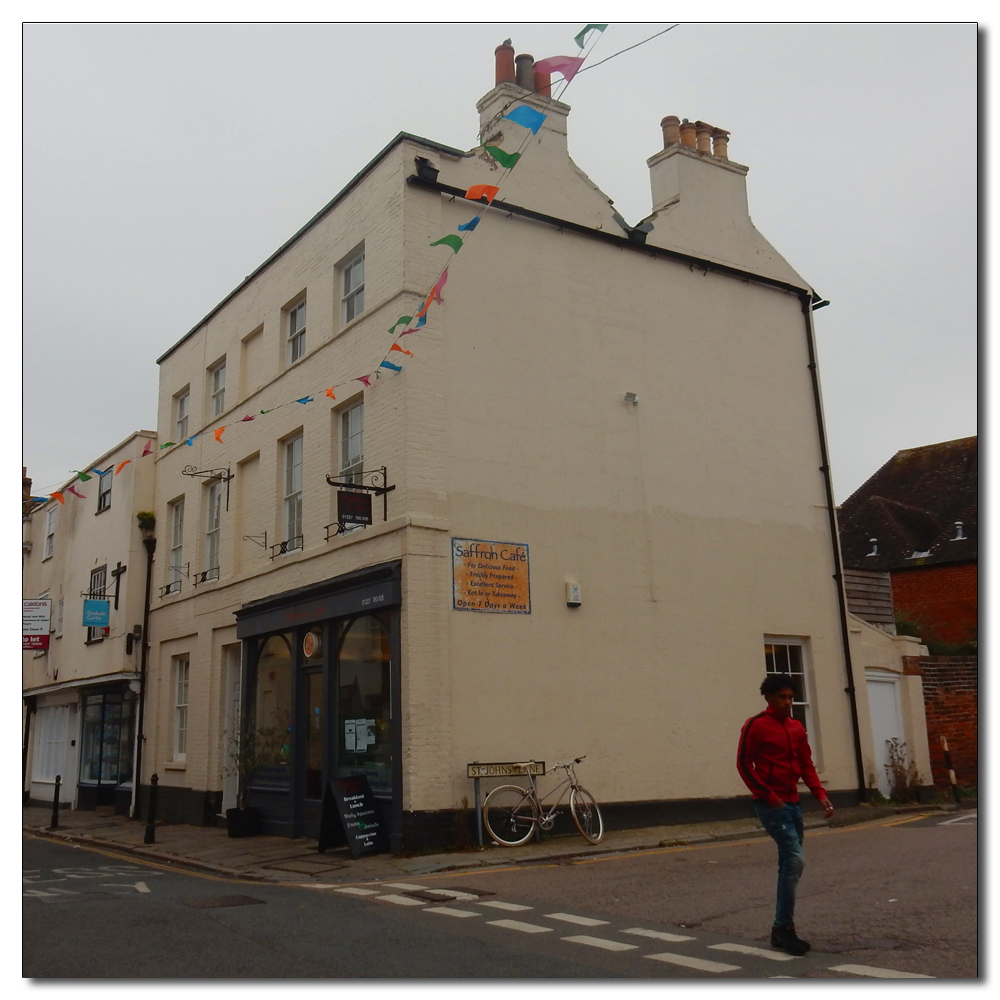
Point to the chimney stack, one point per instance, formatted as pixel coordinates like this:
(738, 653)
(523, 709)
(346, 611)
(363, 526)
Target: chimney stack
(525, 72)
(505, 62)
(699, 135)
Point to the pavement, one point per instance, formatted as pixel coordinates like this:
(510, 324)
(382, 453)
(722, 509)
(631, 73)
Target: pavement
(281, 859)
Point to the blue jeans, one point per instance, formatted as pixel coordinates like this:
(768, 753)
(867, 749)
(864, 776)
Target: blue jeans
(784, 826)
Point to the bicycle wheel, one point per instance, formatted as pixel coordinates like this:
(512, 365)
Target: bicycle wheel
(510, 815)
(586, 814)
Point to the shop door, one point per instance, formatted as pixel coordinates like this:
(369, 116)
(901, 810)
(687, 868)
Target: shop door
(883, 704)
(314, 730)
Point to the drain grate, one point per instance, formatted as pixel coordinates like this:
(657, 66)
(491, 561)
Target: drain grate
(211, 902)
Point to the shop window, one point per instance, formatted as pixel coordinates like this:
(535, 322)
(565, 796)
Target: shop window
(271, 723)
(108, 733)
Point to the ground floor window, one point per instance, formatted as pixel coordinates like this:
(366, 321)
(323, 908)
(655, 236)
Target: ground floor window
(107, 737)
(784, 655)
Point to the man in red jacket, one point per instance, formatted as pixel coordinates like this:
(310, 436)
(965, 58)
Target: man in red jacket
(773, 756)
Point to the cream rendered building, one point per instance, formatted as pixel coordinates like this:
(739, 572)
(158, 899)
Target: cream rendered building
(633, 409)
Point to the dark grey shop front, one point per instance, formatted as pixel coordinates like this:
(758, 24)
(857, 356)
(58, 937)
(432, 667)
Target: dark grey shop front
(322, 693)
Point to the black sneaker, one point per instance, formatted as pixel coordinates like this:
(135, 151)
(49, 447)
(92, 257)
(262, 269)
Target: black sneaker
(786, 939)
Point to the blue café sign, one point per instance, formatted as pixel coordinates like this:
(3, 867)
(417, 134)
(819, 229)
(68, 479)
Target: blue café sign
(96, 614)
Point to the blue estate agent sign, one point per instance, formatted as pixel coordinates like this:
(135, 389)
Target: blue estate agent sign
(96, 614)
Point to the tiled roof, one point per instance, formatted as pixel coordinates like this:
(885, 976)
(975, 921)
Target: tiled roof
(911, 505)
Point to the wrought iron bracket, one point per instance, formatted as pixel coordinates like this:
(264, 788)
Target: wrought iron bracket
(378, 487)
(256, 539)
(288, 545)
(223, 475)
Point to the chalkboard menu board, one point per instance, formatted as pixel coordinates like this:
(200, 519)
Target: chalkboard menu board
(351, 801)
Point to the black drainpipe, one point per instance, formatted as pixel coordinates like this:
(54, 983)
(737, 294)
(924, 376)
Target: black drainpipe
(806, 299)
(150, 546)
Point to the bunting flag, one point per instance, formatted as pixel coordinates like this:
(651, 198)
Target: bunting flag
(70, 489)
(268, 411)
(364, 379)
(581, 38)
(148, 450)
(58, 496)
(190, 440)
(420, 322)
(402, 350)
(41, 499)
(329, 392)
(169, 444)
(389, 364)
(403, 319)
(528, 117)
(218, 433)
(122, 465)
(479, 191)
(83, 475)
(467, 227)
(438, 285)
(249, 416)
(505, 159)
(451, 240)
(569, 66)
(98, 471)
(304, 400)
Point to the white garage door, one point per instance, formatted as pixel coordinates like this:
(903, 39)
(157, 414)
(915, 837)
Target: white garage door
(887, 721)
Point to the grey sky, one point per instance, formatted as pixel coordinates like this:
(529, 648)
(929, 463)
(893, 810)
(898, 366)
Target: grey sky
(163, 162)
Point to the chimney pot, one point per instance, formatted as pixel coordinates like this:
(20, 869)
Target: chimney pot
(505, 62)
(687, 130)
(671, 130)
(703, 142)
(720, 143)
(525, 71)
(543, 83)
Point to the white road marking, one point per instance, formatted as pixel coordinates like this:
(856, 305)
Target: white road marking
(401, 900)
(450, 912)
(321, 885)
(500, 905)
(138, 886)
(957, 819)
(659, 935)
(749, 949)
(353, 891)
(453, 893)
(399, 885)
(519, 925)
(572, 918)
(876, 973)
(601, 943)
(702, 964)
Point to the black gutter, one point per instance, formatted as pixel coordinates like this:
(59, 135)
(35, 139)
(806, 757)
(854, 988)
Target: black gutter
(838, 575)
(150, 546)
(635, 241)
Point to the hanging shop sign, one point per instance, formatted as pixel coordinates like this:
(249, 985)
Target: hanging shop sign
(96, 614)
(490, 576)
(36, 619)
(354, 508)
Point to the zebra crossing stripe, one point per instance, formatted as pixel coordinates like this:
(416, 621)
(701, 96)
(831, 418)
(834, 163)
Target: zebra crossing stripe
(351, 890)
(701, 964)
(659, 935)
(520, 925)
(601, 943)
(449, 911)
(400, 900)
(572, 918)
(500, 905)
(874, 972)
(749, 949)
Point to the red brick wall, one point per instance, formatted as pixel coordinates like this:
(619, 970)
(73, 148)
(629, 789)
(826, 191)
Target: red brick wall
(951, 703)
(946, 597)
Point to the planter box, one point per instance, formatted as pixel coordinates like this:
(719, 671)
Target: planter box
(243, 822)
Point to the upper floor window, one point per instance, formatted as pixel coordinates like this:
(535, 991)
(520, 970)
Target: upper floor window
(788, 656)
(352, 453)
(60, 607)
(104, 491)
(50, 532)
(182, 404)
(98, 588)
(217, 388)
(353, 287)
(175, 568)
(293, 493)
(297, 331)
(213, 529)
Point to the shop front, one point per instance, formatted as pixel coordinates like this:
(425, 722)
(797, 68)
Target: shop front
(321, 697)
(107, 744)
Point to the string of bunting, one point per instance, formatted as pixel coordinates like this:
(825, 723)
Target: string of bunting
(530, 119)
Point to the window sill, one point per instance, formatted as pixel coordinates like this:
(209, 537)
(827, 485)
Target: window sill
(175, 765)
(102, 510)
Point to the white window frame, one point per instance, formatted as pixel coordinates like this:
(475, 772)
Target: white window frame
(176, 546)
(352, 443)
(60, 609)
(213, 529)
(50, 532)
(182, 408)
(292, 508)
(217, 388)
(774, 657)
(296, 331)
(181, 683)
(98, 589)
(352, 287)
(104, 493)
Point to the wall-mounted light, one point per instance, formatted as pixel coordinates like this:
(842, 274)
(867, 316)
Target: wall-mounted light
(631, 397)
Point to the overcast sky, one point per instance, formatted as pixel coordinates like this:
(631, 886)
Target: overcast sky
(164, 162)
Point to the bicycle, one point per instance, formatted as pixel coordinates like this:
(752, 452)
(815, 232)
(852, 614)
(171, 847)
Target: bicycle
(512, 813)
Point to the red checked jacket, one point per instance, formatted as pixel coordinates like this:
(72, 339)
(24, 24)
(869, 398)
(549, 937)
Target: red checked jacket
(773, 755)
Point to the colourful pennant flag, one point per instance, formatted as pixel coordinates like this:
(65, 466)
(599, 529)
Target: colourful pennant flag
(403, 319)
(122, 465)
(402, 350)
(467, 227)
(98, 471)
(58, 496)
(478, 191)
(73, 491)
(305, 399)
(329, 392)
(169, 444)
(389, 364)
(190, 440)
(249, 416)
(364, 379)
(420, 322)
(528, 117)
(218, 432)
(451, 240)
(268, 411)
(83, 475)
(148, 450)
(581, 38)
(505, 159)
(40, 499)
(569, 66)
(438, 285)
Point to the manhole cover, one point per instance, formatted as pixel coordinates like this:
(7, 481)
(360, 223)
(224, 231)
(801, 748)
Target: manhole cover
(210, 902)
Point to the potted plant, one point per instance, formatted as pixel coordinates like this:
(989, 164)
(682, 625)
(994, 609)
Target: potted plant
(146, 519)
(249, 750)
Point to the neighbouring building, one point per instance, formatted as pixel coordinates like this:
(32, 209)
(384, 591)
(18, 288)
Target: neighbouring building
(602, 506)
(917, 519)
(81, 694)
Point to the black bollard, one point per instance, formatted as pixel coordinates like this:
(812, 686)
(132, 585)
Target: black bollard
(150, 837)
(55, 805)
